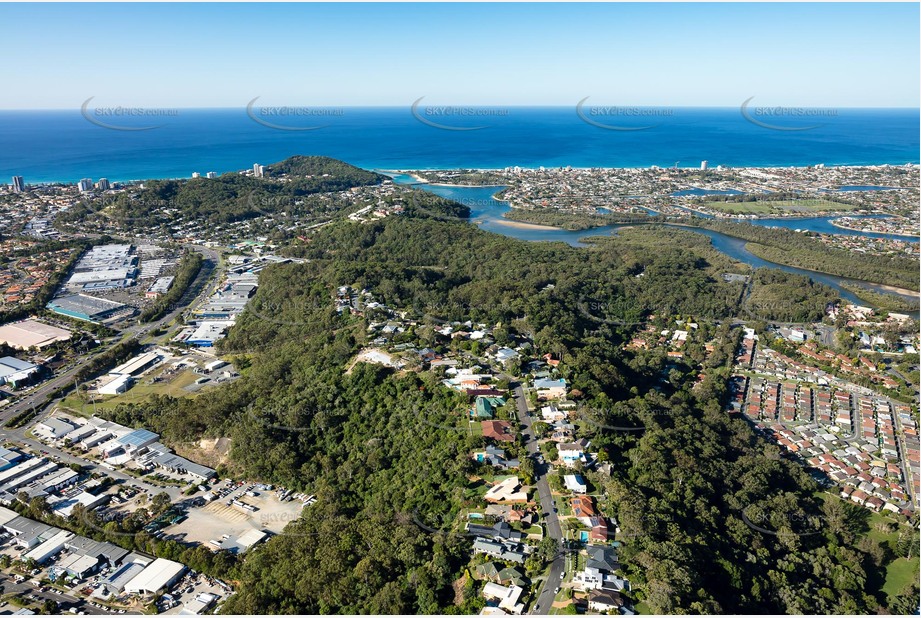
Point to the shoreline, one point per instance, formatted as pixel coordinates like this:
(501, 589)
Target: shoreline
(526, 226)
(854, 229)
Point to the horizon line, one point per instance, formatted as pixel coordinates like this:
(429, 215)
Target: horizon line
(472, 105)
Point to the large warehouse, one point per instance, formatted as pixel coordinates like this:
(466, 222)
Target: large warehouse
(16, 372)
(161, 573)
(31, 334)
(83, 307)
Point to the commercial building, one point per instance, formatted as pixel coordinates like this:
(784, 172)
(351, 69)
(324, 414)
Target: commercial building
(160, 574)
(18, 184)
(86, 308)
(136, 365)
(45, 550)
(16, 372)
(117, 385)
(160, 286)
(31, 334)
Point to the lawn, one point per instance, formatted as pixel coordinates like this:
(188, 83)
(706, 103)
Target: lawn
(138, 393)
(805, 206)
(899, 573)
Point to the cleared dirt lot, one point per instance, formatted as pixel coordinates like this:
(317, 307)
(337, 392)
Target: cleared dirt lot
(214, 520)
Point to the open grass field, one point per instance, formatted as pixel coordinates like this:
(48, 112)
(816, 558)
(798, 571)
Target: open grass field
(805, 207)
(174, 387)
(899, 574)
(885, 529)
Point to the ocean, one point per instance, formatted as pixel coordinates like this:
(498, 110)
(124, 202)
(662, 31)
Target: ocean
(65, 146)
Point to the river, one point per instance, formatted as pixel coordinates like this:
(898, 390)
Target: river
(487, 213)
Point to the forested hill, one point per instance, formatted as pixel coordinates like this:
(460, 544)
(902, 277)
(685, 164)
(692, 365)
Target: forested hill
(381, 450)
(288, 187)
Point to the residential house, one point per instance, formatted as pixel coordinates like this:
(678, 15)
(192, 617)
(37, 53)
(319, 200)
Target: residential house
(552, 414)
(571, 452)
(501, 431)
(604, 600)
(583, 507)
(575, 483)
(550, 389)
(507, 597)
(509, 490)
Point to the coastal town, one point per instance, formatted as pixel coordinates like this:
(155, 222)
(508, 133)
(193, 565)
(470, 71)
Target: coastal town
(885, 197)
(96, 322)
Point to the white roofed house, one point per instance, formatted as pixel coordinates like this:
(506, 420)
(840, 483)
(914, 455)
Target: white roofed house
(507, 596)
(575, 483)
(570, 452)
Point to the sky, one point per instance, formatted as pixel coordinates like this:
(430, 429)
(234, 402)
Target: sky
(224, 55)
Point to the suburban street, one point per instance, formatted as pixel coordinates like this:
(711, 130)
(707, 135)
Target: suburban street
(544, 598)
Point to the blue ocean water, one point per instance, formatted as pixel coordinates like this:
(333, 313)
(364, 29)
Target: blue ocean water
(48, 146)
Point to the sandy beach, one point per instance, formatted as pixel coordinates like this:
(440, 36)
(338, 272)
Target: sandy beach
(525, 226)
(892, 288)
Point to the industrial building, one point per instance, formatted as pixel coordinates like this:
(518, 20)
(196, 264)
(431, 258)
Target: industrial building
(27, 334)
(86, 308)
(53, 428)
(206, 333)
(137, 441)
(160, 286)
(136, 365)
(116, 386)
(9, 458)
(115, 583)
(16, 372)
(44, 551)
(105, 267)
(159, 574)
